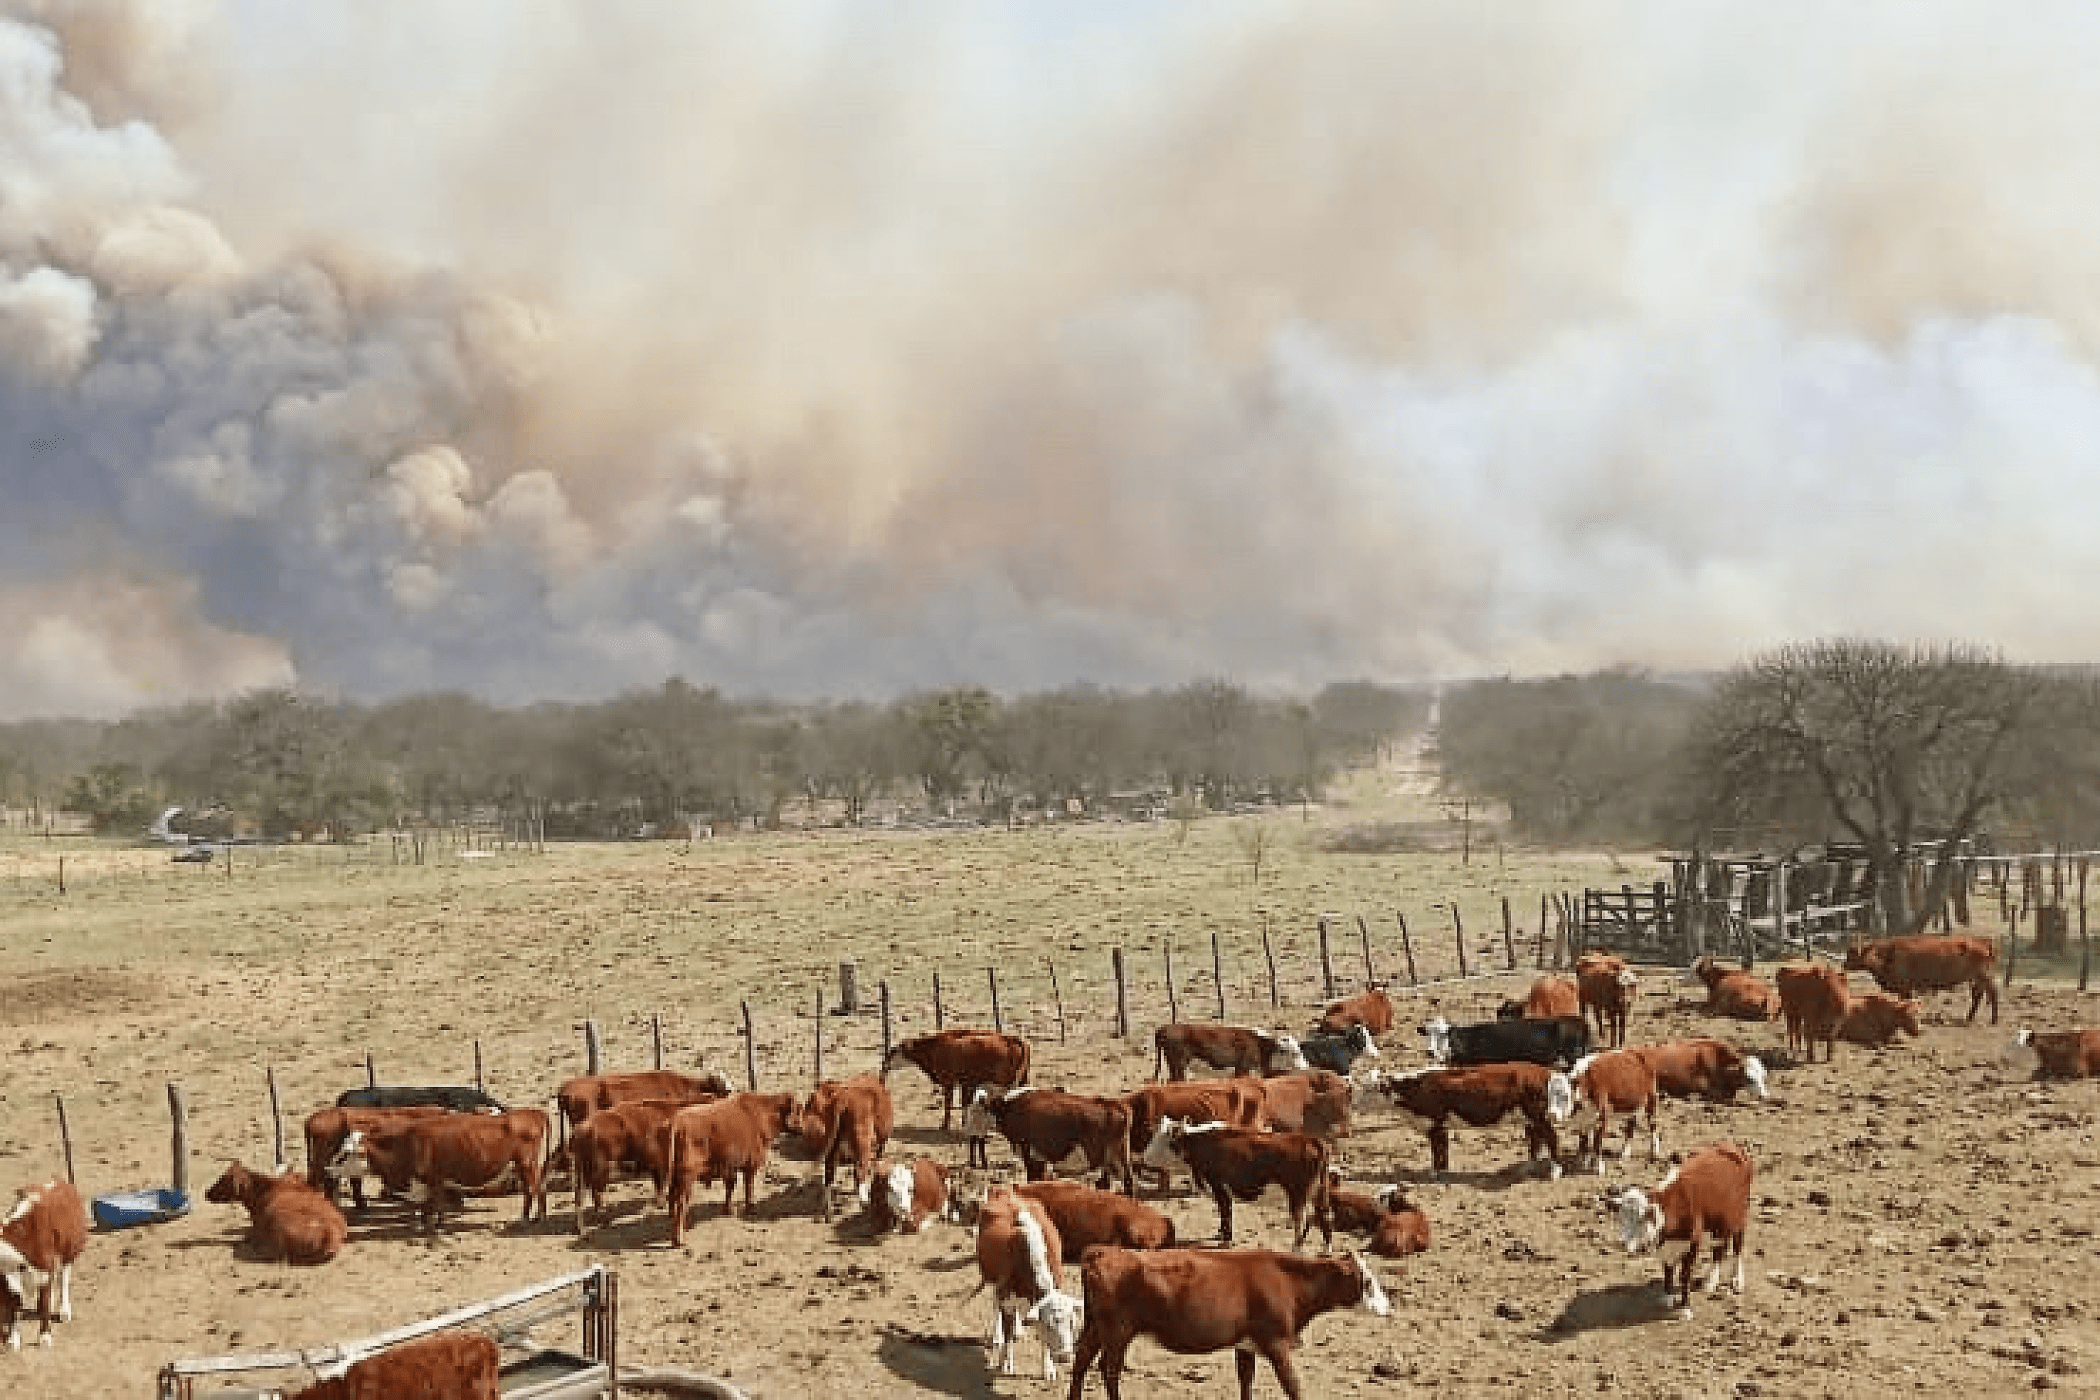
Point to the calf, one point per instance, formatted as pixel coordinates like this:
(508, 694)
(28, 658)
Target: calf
(1020, 1257)
(1561, 1041)
(1372, 1009)
(455, 1098)
(326, 1130)
(1086, 1217)
(1480, 1095)
(961, 1060)
(633, 1136)
(722, 1141)
(2059, 1054)
(1241, 1163)
(40, 1237)
(1235, 1049)
(447, 1366)
(1236, 1101)
(585, 1094)
(1814, 998)
(903, 1196)
(1710, 1069)
(1255, 1301)
(1338, 1051)
(1616, 1081)
(1742, 995)
(1402, 1230)
(1357, 1210)
(430, 1157)
(854, 1119)
(1708, 1197)
(1312, 1101)
(1605, 988)
(1549, 997)
(1924, 963)
(289, 1222)
(1053, 1130)
(1874, 1019)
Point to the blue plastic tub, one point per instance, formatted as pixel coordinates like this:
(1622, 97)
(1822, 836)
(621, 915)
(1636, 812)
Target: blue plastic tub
(120, 1210)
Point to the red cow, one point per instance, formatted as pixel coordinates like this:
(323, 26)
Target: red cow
(1352, 1210)
(430, 1157)
(289, 1222)
(1235, 1049)
(961, 1060)
(634, 1136)
(1312, 1101)
(1742, 995)
(903, 1196)
(1236, 1101)
(40, 1237)
(325, 1131)
(1814, 997)
(1020, 1256)
(1707, 1198)
(1549, 998)
(1255, 1301)
(851, 1118)
(1373, 1010)
(1874, 1019)
(1053, 1130)
(1085, 1217)
(580, 1097)
(447, 1366)
(1402, 1230)
(1706, 1068)
(2061, 1054)
(1614, 1081)
(1241, 1163)
(1925, 963)
(1480, 1095)
(722, 1141)
(1605, 989)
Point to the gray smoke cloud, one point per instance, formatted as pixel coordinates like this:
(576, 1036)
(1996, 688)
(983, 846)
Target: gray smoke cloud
(821, 349)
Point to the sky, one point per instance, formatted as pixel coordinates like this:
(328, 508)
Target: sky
(820, 349)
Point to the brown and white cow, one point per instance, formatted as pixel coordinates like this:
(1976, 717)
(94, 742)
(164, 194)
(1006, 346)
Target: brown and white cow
(631, 1136)
(1920, 963)
(1372, 1009)
(1549, 997)
(1234, 1049)
(1743, 996)
(903, 1196)
(1052, 1130)
(1256, 1301)
(1237, 1101)
(722, 1141)
(1241, 1163)
(1706, 1200)
(1875, 1019)
(40, 1236)
(585, 1094)
(959, 1061)
(1605, 989)
(447, 1366)
(429, 1158)
(1086, 1216)
(1704, 1068)
(1312, 1101)
(850, 1119)
(1480, 1095)
(1612, 1081)
(1814, 998)
(2058, 1054)
(289, 1222)
(1020, 1257)
(326, 1130)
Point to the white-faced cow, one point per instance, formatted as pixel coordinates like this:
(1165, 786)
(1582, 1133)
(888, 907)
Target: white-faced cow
(1704, 1201)
(40, 1237)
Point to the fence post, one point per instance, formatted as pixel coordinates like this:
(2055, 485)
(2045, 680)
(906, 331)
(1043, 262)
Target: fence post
(849, 988)
(1458, 930)
(991, 975)
(750, 1049)
(1057, 994)
(1217, 972)
(1509, 944)
(1173, 1001)
(1363, 937)
(2012, 944)
(882, 990)
(656, 1039)
(65, 1134)
(816, 1020)
(1538, 954)
(477, 1067)
(1269, 955)
(940, 1012)
(592, 1053)
(1407, 949)
(276, 1126)
(371, 1075)
(179, 1140)
(1115, 958)
(1326, 962)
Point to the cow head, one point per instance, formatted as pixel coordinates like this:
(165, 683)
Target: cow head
(897, 1186)
(1703, 971)
(1056, 1318)
(1906, 1018)
(1287, 1055)
(1510, 1010)
(234, 1184)
(2020, 1054)
(1629, 982)
(1560, 1096)
(1640, 1220)
(1372, 1300)
(1861, 958)
(1360, 1040)
(1437, 1031)
(1754, 1076)
(350, 1158)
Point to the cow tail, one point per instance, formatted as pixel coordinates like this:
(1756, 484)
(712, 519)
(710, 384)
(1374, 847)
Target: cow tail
(671, 1177)
(1026, 1056)
(1323, 1214)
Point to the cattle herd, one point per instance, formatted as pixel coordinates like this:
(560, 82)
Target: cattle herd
(1559, 1058)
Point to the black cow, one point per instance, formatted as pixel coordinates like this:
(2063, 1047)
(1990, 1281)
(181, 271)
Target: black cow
(457, 1097)
(1559, 1041)
(1337, 1050)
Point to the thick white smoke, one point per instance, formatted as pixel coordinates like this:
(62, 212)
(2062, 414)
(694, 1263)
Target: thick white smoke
(818, 348)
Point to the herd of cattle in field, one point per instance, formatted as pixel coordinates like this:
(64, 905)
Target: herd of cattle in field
(1558, 1058)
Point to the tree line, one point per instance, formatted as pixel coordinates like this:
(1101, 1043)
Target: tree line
(288, 763)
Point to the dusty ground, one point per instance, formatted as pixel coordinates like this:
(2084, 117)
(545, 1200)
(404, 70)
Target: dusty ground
(1956, 1249)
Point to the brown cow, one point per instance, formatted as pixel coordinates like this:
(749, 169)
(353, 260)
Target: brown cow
(1709, 1069)
(1742, 995)
(1926, 963)
(1814, 998)
(851, 1118)
(962, 1060)
(1235, 1101)
(40, 1237)
(1708, 1197)
(585, 1094)
(1312, 1101)
(1086, 1216)
(903, 1196)
(1874, 1020)
(325, 1130)
(634, 1136)
(722, 1141)
(1241, 1163)
(1255, 1301)
(1480, 1095)
(2059, 1054)
(1373, 1010)
(1605, 988)
(447, 1366)
(1235, 1049)
(1403, 1230)
(289, 1222)
(1021, 1257)
(1612, 1081)
(1069, 1133)
(1369, 1212)
(431, 1157)
(1549, 997)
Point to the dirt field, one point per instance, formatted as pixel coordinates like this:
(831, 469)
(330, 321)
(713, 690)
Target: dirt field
(1926, 1217)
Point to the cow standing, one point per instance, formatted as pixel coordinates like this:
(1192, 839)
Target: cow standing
(1020, 1258)
(1480, 1095)
(1925, 963)
(1338, 1050)
(40, 1237)
(1234, 1049)
(429, 1158)
(1241, 1163)
(584, 1094)
(1605, 989)
(1560, 1041)
(1704, 1201)
(724, 1141)
(1615, 1081)
(634, 1136)
(1814, 998)
(852, 1119)
(1372, 1009)
(959, 1061)
(1085, 1217)
(289, 1222)
(1236, 1101)
(1315, 1101)
(1070, 1133)
(326, 1130)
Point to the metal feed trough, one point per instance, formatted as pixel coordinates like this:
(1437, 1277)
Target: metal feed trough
(530, 1371)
